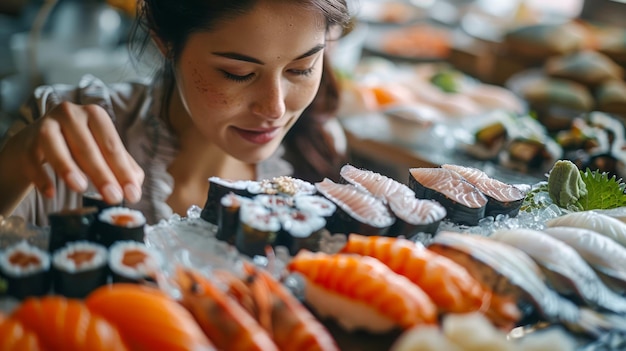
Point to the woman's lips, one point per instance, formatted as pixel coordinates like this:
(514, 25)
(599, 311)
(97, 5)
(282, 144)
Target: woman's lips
(258, 136)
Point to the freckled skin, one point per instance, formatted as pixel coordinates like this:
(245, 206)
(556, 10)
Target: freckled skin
(275, 33)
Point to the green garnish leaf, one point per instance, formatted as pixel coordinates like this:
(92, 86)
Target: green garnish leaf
(533, 200)
(603, 192)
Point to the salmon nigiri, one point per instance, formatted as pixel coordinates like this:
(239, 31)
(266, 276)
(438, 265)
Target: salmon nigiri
(67, 324)
(447, 283)
(14, 337)
(361, 292)
(148, 318)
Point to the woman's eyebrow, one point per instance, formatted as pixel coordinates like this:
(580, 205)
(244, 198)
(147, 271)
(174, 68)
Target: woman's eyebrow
(246, 58)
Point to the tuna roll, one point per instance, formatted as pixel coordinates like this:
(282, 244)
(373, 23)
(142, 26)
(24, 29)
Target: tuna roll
(79, 268)
(119, 223)
(70, 225)
(133, 262)
(26, 269)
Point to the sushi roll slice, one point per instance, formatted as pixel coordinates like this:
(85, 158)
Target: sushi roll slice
(94, 199)
(316, 204)
(133, 262)
(70, 225)
(275, 202)
(26, 269)
(300, 230)
(258, 228)
(228, 217)
(79, 268)
(218, 188)
(118, 223)
(283, 185)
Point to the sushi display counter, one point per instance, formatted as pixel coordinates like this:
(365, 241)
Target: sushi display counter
(452, 258)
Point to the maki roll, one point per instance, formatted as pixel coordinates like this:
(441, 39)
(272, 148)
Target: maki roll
(300, 230)
(258, 227)
(70, 225)
(228, 217)
(274, 202)
(118, 223)
(26, 269)
(133, 262)
(79, 268)
(316, 204)
(94, 199)
(283, 185)
(218, 188)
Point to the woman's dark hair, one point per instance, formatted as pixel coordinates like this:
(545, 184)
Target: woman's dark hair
(173, 21)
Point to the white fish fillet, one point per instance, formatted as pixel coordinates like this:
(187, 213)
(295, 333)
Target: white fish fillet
(603, 224)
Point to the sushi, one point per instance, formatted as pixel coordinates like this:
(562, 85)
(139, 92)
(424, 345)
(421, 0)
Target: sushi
(358, 211)
(464, 203)
(70, 225)
(228, 216)
(414, 215)
(377, 184)
(118, 223)
(26, 269)
(94, 199)
(502, 198)
(79, 268)
(133, 262)
(218, 188)
(300, 230)
(283, 185)
(316, 204)
(362, 293)
(258, 228)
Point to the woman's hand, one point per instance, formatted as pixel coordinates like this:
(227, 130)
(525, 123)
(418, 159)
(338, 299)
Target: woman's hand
(80, 143)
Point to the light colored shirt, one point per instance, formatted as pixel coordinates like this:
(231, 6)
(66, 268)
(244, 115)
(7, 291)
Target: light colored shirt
(134, 108)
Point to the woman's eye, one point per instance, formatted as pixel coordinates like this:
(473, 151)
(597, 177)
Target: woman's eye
(302, 72)
(238, 78)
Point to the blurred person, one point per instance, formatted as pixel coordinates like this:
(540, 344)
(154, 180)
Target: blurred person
(245, 92)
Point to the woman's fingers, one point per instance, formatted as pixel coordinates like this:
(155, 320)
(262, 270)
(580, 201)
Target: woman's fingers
(81, 143)
(115, 154)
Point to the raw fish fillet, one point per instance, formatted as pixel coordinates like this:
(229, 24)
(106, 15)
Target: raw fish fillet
(450, 184)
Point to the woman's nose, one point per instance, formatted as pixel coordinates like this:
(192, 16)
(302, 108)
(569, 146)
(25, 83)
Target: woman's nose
(270, 102)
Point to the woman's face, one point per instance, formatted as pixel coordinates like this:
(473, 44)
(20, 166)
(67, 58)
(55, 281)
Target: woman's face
(245, 83)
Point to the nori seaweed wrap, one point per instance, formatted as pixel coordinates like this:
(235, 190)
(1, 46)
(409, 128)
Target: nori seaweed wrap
(26, 269)
(70, 225)
(118, 223)
(79, 268)
(258, 228)
(133, 262)
(218, 188)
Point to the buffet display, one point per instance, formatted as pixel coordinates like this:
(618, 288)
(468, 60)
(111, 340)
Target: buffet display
(450, 257)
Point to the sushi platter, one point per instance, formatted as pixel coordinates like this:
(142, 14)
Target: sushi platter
(368, 263)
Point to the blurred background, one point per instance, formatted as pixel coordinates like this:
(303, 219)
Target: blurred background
(383, 59)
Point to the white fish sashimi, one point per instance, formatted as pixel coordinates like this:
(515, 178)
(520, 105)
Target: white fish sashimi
(375, 183)
(363, 206)
(601, 252)
(557, 256)
(603, 224)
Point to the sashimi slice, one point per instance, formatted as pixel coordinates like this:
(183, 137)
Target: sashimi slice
(447, 283)
(366, 294)
(603, 224)
(14, 337)
(67, 324)
(377, 184)
(503, 198)
(147, 318)
(365, 213)
(464, 203)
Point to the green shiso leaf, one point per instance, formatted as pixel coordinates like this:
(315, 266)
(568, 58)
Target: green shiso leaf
(448, 81)
(603, 192)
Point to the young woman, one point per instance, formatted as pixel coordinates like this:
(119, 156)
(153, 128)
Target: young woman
(245, 93)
